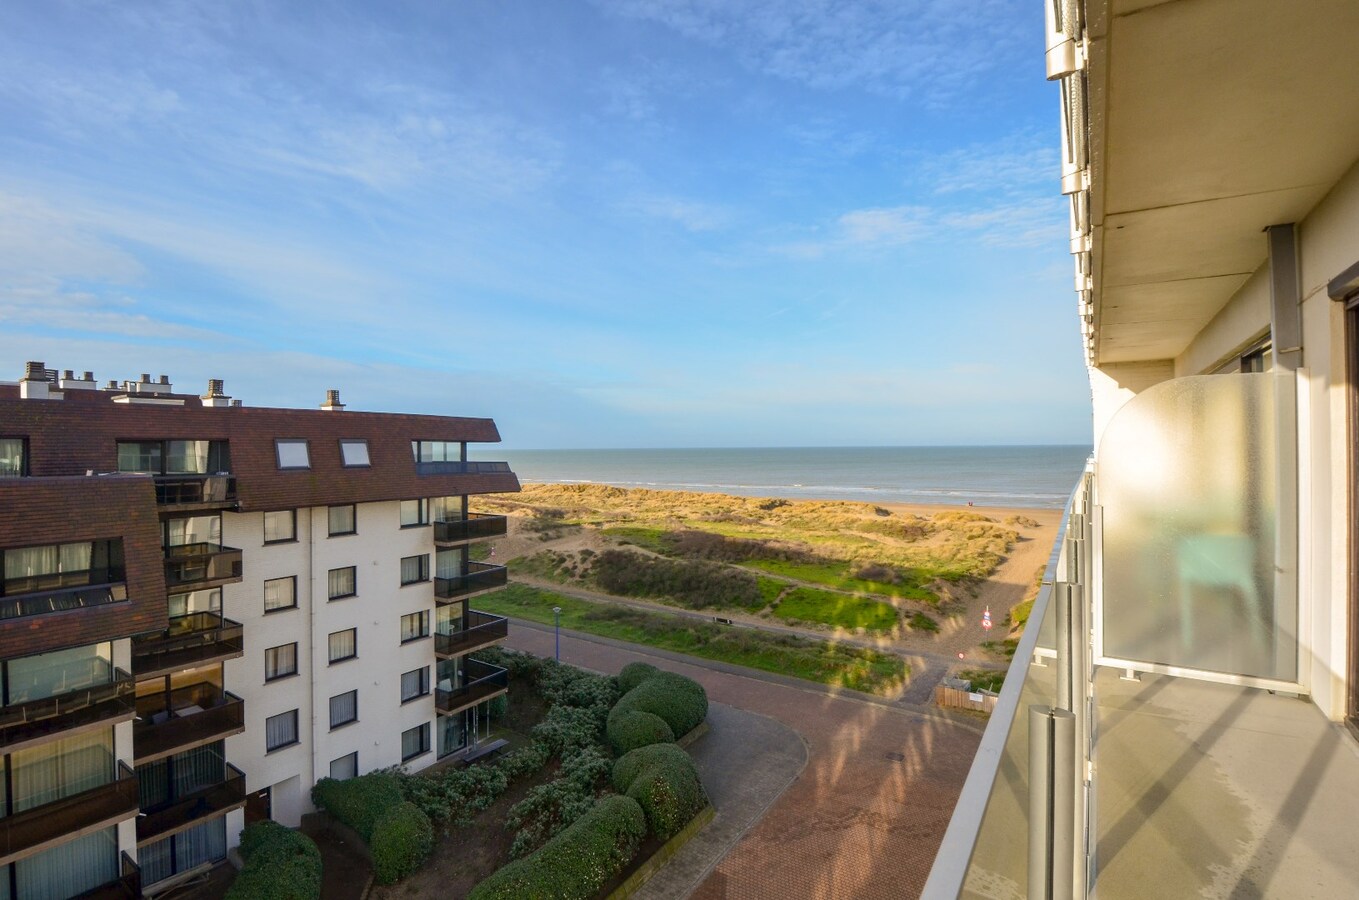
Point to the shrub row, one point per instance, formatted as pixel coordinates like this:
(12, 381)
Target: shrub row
(398, 833)
(280, 864)
(359, 802)
(576, 863)
(697, 584)
(402, 840)
(664, 782)
(661, 707)
(548, 808)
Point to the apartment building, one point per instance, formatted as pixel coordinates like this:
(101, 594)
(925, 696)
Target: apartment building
(207, 607)
(1182, 720)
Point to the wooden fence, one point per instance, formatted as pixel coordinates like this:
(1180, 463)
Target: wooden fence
(952, 698)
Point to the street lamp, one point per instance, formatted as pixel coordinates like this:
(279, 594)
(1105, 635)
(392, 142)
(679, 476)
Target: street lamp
(557, 616)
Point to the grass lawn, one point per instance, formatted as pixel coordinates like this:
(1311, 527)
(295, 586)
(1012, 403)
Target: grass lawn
(771, 588)
(836, 575)
(840, 610)
(824, 661)
(653, 539)
(983, 679)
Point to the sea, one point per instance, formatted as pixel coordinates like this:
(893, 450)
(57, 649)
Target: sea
(1021, 476)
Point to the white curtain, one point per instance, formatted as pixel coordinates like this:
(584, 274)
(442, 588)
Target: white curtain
(61, 768)
(199, 768)
(280, 730)
(280, 593)
(200, 844)
(414, 625)
(280, 526)
(341, 582)
(448, 620)
(11, 465)
(188, 457)
(414, 741)
(345, 767)
(414, 683)
(344, 708)
(70, 868)
(343, 644)
(194, 530)
(448, 563)
(194, 602)
(411, 569)
(452, 733)
(279, 661)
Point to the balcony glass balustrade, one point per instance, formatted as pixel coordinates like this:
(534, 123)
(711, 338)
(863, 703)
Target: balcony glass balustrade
(98, 807)
(480, 577)
(107, 698)
(200, 565)
(482, 630)
(189, 641)
(477, 526)
(185, 717)
(187, 810)
(481, 681)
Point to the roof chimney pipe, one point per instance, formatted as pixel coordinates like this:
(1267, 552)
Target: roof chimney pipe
(35, 385)
(332, 401)
(215, 397)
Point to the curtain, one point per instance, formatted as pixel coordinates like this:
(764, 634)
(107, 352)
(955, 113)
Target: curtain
(31, 561)
(414, 512)
(343, 644)
(195, 602)
(157, 861)
(199, 768)
(280, 593)
(414, 741)
(341, 582)
(62, 767)
(345, 767)
(280, 730)
(139, 456)
(448, 563)
(448, 620)
(280, 526)
(341, 519)
(344, 708)
(153, 783)
(187, 457)
(70, 868)
(452, 734)
(413, 569)
(279, 661)
(447, 509)
(414, 625)
(194, 530)
(200, 844)
(11, 457)
(414, 683)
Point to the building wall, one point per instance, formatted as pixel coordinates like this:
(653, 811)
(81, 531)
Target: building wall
(1115, 384)
(1244, 320)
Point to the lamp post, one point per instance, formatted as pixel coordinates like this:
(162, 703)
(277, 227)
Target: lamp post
(557, 617)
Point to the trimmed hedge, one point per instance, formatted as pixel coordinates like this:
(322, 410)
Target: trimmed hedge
(280, 864)
(634, 674)
(548, 808)
(664, 782)
(679, 702)
(402, 840)
(577, 863)
(359, 802)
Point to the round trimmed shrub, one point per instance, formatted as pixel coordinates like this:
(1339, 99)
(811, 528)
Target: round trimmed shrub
(358, 802)
(634, 674)
(402, 840)
(280, 864)
(664, 782)
(576, 863)
(629, 729)
(680, 701)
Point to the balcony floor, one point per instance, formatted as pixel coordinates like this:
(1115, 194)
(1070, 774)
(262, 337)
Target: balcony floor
(1220, 791)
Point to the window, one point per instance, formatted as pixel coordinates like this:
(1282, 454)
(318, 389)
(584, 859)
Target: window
(345, 767)
(280, 730)
(139, 456)
(280, 661)
(11, 457)
(342, 520)
(208, 601)
(414, 569)
(344, 708)
(436, 451)
(414, 683)
(292, 454)
(415, 626)
(280, 593)
(354, 453)
(341, 582)
(280, 526)
(414, 512)
(174, 457)
(343, 645)
(414, 742)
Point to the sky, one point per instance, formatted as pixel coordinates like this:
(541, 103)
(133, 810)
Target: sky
(604, 223)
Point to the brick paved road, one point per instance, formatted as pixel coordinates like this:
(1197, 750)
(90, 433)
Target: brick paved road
(857, 824)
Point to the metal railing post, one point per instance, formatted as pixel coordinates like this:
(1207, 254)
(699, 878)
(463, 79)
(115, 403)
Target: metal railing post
(1052, 770)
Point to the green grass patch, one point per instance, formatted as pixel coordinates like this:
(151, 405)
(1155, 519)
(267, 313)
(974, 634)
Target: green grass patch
(771, 588)
(836, 574)
(921, 622)
(983, 679)
(823, 661)
(838, 610)
(654, 539)
(1005, 649)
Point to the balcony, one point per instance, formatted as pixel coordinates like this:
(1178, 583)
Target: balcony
(184, 718)
(483, 630)
(127, 886)
(189, 641)
(42, 826)
(33, 720)
(475, 527)
(35, 595)
(480, 577)
(454, 467)
(201, 565)
(193, 492)
(483, 681)
(187, 811)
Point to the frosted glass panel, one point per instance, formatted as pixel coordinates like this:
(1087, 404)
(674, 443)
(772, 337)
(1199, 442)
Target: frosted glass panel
(1198, 551)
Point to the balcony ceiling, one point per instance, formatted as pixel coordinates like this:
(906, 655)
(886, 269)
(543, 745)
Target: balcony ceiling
(1209, 120)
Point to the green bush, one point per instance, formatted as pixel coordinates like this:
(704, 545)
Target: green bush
(549, 808)
(664, 782)
(634, 674)
(456, 795)
(697, 584)
(359, 802)
(566, 729)
(280, 864)
(577, 863)
(680, 701)
(402, 840)
(629, 729)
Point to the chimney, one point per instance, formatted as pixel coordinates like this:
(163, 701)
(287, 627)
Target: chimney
(71, 383)
(215, 397)
(35, 385)
(235, 404)
(112, 385)
(332, 401)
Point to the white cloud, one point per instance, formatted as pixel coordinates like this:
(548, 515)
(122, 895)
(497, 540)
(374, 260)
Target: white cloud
(689, 214)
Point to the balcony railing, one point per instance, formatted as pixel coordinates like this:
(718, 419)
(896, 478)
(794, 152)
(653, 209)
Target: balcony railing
(483, 629)
(28, 720)
(190, 640)
(195, 490)
(479, 577)
(183, 718)
(482, 682)
(201, 565)
(475, 527)
(454, 467)
(99, 806)
(202, 804)
(41, 600)
(127, 886)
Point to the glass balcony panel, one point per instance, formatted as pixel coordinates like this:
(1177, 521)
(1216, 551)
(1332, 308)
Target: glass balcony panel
(33, 719)
(480, 681)
(476, 526)
(481, 629)
(184, 717)
(186, 807)
(1198, 566)
(201, 563)
(112, 801)
(189, 640)
(479, 577)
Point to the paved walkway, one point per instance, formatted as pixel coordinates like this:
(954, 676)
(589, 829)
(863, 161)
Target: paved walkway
(866, 815)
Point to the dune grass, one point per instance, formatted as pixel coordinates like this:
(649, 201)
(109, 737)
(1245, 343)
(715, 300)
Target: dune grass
(803, 604)
(826, 662)
(836, 575)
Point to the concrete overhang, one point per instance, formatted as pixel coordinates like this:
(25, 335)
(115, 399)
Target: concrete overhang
(1208, 121)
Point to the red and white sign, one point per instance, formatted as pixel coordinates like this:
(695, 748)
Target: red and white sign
(986, 619)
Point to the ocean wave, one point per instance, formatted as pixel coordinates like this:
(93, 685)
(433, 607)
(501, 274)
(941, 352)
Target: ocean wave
(899, 494)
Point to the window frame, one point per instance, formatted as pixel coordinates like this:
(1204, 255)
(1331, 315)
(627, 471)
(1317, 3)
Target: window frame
(424, 513)
(425, 626)
(265, 527)
(353, 520)
(367, 457)
(424, 685)
(279, 443)
(297, 738)
(424, 569)
(279, 676)
(353, 755)
(353, 581)
(23, 454)
(333, 660)
(423, 728)
(275, 609)
(333, 724)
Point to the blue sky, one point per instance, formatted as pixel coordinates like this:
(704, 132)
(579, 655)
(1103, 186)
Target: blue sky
(605, 224)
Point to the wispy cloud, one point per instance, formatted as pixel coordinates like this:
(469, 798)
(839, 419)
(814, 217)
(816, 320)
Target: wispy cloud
(689, 214)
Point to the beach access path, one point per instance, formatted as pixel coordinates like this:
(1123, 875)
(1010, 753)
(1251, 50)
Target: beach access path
(863, 819)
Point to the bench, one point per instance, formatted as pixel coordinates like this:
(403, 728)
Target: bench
(486, 750)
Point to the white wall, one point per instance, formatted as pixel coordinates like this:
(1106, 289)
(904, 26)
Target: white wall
(1115, 384)
(1240, 323)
